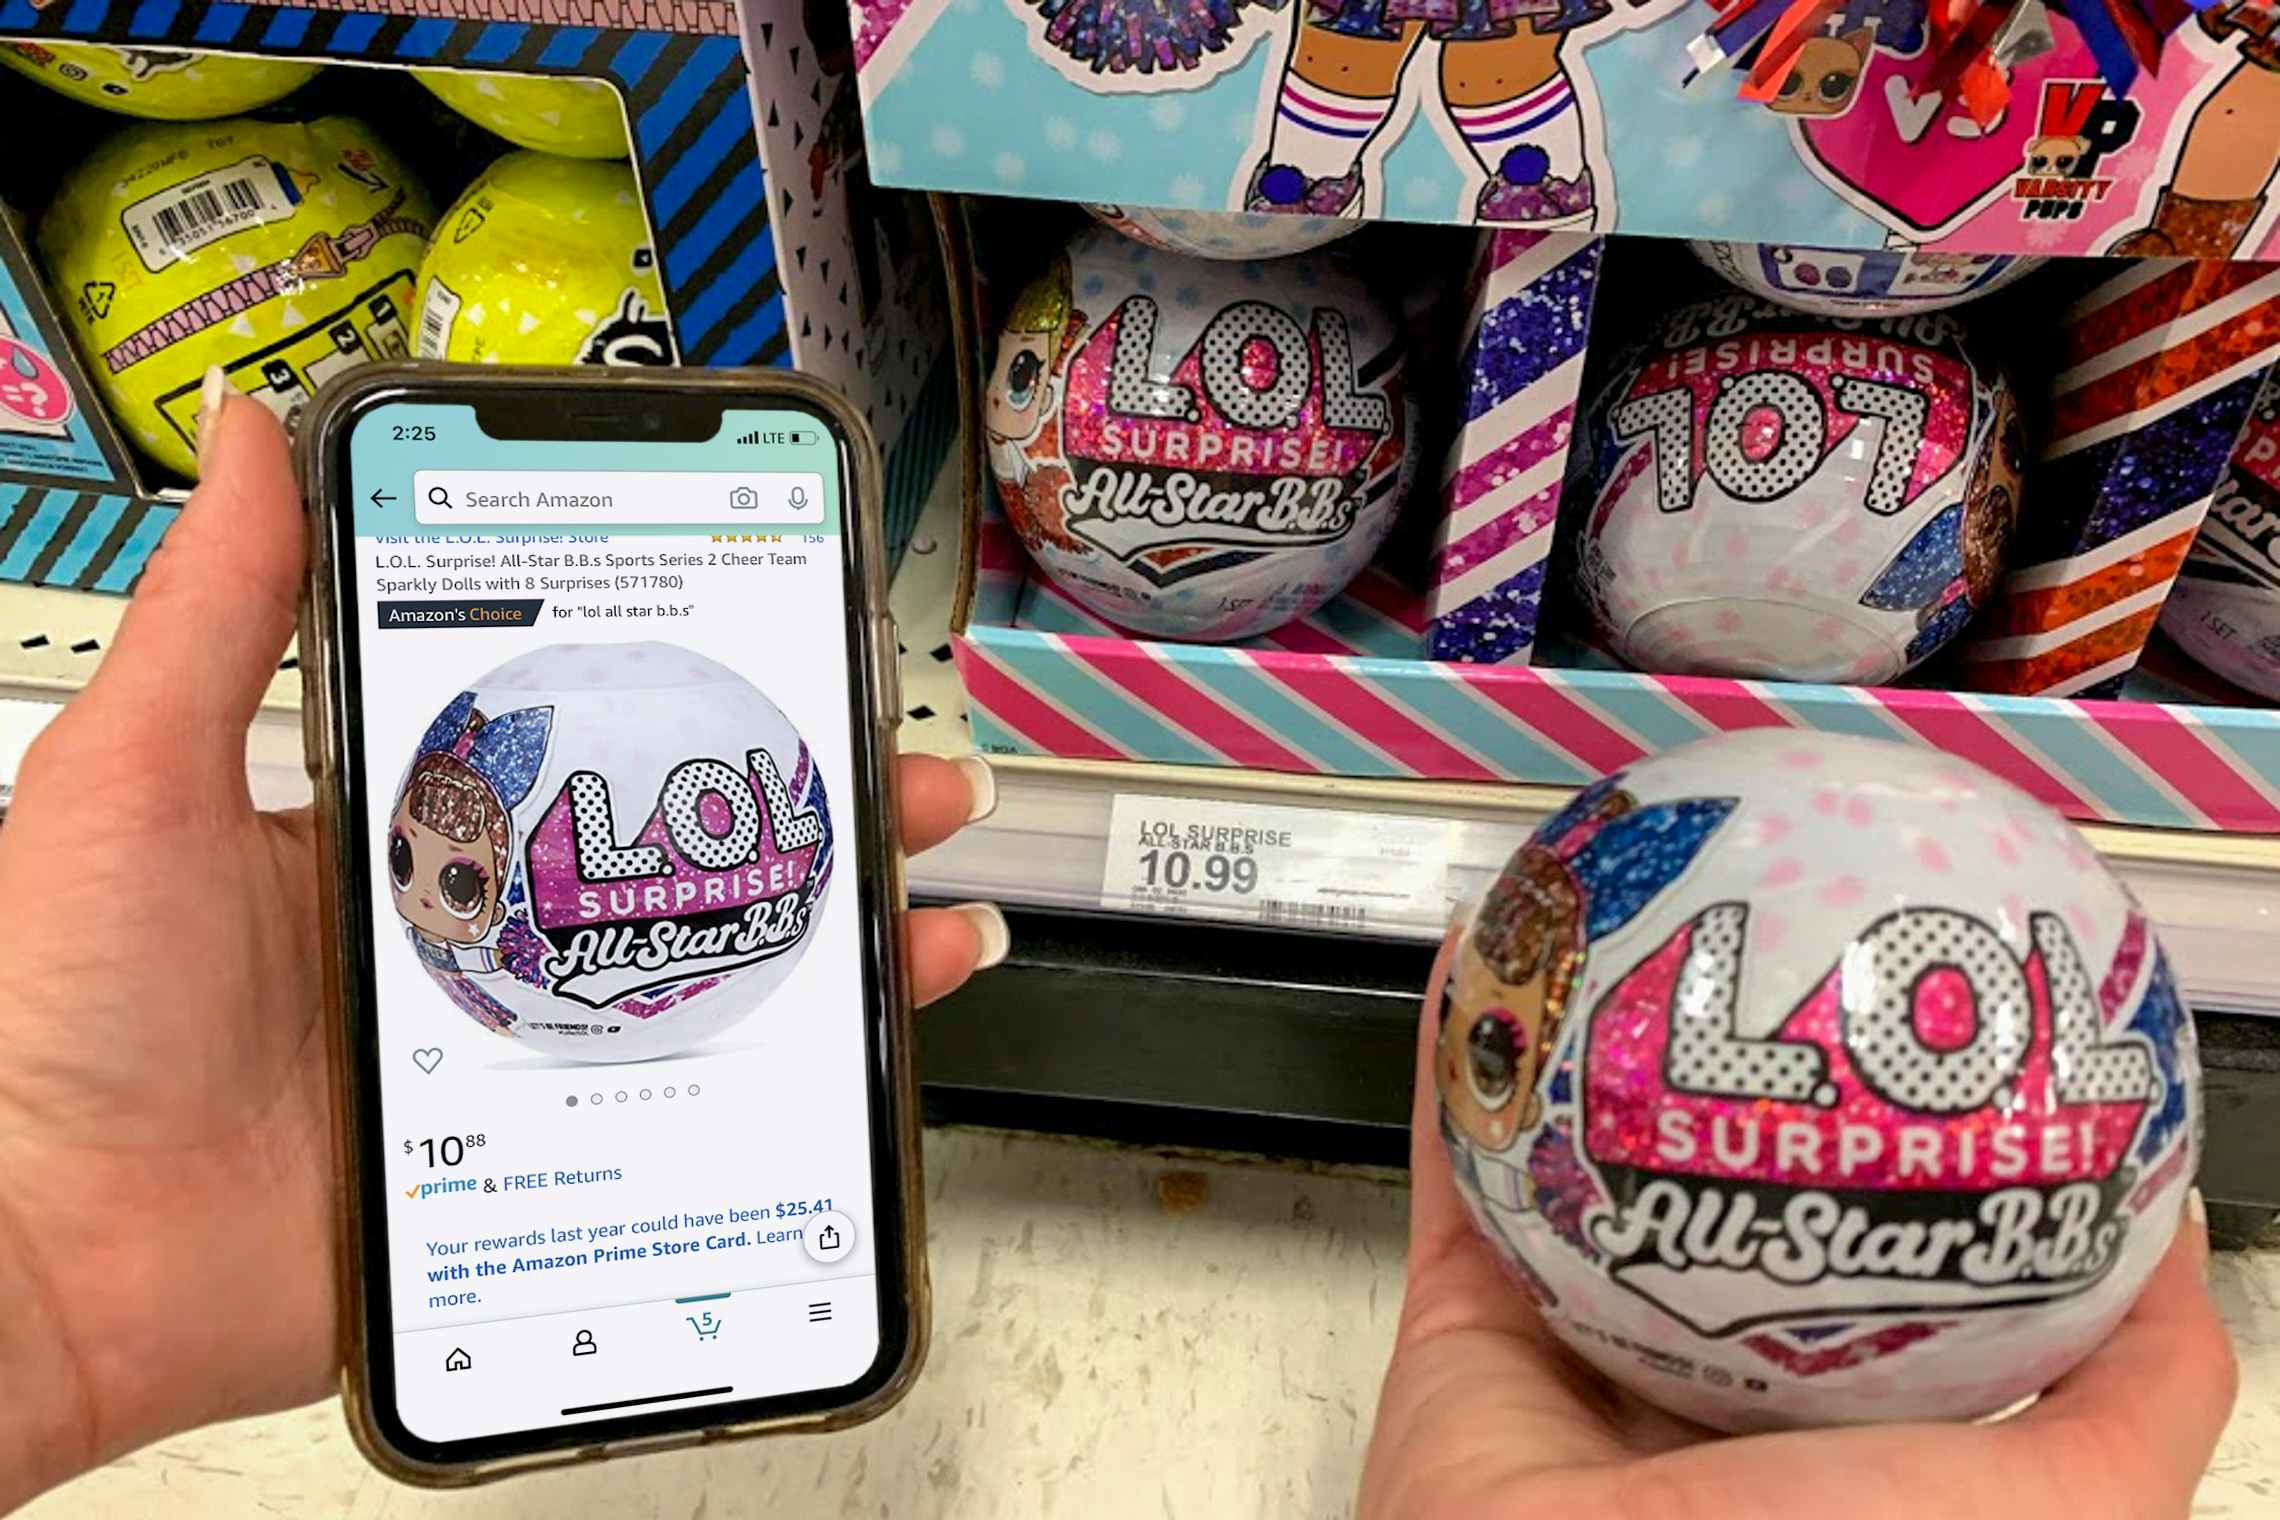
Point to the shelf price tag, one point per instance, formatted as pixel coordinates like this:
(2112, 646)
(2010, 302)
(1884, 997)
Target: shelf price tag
(1308, 868)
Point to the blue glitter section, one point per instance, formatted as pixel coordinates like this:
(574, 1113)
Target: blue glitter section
(1927, 565)
(2161, 1019)
(819, 875)
(1633, 858)
(444, 732)
(1581, 806)
(2109, 489)
(1530, 334)
(1494, 626)
(1943, 625)
(511, 750)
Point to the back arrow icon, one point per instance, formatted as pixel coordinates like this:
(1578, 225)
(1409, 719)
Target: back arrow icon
(381, 500)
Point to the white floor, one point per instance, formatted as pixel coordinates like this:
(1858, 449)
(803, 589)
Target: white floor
(1115, 1334)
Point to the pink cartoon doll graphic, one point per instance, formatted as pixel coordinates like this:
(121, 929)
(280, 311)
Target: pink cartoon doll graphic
(2223, 178)
(451, 849)
(1509, 999)
(1502, 82)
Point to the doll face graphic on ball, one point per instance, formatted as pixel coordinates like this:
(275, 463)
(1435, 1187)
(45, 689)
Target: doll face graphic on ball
(450, 843)
(1020, 394)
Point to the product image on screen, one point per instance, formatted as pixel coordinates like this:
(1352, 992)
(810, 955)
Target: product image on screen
(621, 1033)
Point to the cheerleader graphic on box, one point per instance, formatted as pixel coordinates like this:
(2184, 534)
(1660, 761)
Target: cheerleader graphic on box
(1506, 81)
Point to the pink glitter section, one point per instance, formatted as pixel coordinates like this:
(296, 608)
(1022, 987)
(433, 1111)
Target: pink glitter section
(650, 1007)
(2129, 960)
(1818, 358)
(878, 19)
(561, 899)
(1855, 1351)
(1307, 448)
(1627, 1096)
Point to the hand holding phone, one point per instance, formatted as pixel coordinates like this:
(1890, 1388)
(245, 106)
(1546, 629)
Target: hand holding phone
(604, 683)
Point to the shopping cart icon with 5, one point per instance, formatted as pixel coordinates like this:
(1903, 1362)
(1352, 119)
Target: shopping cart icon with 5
(707, 1325)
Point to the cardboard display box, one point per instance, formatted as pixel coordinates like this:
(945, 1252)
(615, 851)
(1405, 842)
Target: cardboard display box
(2159, 364)
(771, 246)
(1578, 115)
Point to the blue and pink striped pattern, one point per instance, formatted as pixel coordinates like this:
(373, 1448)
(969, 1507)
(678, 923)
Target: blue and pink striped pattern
(1500, 485)
(1293, 704)
(2159, 367)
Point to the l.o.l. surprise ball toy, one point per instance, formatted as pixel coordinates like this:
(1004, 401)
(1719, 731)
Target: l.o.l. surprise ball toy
(545, 260)
(1224, 234)
(1861, 282)
(281, 251)
(1193, 449)
(163, 84)
(1811, 1079)
(1788, 496)
(578, 118)
(608, 851)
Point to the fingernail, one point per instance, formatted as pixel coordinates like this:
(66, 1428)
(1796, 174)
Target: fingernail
(981, 783)
(212, 392)
(2197, 1212)
(990, 930)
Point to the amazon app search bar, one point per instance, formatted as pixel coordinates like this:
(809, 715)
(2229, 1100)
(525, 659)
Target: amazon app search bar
(574, 498)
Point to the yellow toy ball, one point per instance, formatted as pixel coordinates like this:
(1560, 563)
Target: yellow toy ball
(284, 252)
(163, 84)
(578, 118)
(545, 261)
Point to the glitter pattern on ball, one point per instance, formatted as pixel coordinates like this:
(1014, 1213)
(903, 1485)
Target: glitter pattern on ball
(1777, 496)
(609, 852)
(1836, 1071)
(1861, 282)
(1198, 450)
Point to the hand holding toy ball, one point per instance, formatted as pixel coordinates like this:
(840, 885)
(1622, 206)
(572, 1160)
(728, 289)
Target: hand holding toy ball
(1810, 1079)
(162, 84)
(1198, 450)
(545, 260)
(1779, 496)
(608, 851)
(282, 251)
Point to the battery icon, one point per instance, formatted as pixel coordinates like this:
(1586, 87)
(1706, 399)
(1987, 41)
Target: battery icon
(801, 435)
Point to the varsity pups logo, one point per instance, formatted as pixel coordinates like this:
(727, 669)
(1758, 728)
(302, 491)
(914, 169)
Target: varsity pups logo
(1939, 1127)
(724, 872)
(2077, 127)
(1267, 435)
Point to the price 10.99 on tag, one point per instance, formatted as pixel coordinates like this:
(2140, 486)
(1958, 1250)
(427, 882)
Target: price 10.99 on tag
(1301, 867)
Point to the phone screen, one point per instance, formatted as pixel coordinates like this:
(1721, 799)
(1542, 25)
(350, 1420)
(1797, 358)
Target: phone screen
(621, 1074)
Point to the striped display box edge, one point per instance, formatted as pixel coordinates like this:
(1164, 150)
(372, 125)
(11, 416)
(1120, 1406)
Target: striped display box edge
(1521, 366)
(2159, 365)
(1098, 696)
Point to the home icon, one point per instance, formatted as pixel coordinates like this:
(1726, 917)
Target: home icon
(458, 1361)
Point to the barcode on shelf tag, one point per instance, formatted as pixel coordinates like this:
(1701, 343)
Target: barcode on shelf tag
(176, 222)
(1289, 867)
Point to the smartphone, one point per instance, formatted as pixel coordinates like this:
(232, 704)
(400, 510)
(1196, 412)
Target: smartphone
(599, 702)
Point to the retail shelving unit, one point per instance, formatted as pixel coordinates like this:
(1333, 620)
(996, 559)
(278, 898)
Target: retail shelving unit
(1179, 1031)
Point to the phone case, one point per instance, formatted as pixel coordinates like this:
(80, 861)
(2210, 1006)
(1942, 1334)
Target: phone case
(879, 854)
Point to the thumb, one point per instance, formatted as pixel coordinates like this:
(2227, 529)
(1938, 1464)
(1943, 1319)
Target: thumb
(214, 611)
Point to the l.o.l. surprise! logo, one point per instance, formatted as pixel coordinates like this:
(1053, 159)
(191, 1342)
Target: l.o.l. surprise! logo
(724, 872)
(1267, 434)
(1940, 1125)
